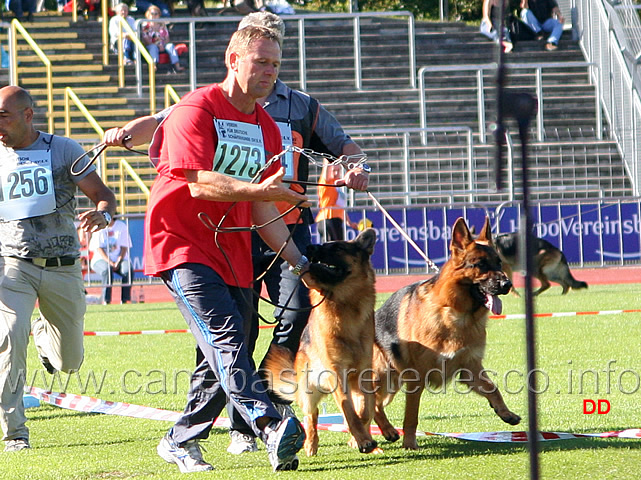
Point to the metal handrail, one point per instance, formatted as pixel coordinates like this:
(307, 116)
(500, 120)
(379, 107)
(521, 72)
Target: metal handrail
(423, 131)
(141, 50)
(356, 17)
(605, 40)
(104, 6)
(16, 27)
(70, 95)
(170, 94)
(480, 68)
(125, 167)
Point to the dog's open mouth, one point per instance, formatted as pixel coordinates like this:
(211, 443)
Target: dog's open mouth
(493, 303)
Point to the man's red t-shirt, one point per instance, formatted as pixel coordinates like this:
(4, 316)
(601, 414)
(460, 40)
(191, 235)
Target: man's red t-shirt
(174, 234)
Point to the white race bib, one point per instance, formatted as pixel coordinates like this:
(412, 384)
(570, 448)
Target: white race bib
(26, 184)
(287, 160)
(240, 152)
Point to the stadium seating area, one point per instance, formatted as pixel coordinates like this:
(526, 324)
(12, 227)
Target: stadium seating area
(570, 155)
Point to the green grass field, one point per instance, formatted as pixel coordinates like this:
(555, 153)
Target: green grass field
(574, 355)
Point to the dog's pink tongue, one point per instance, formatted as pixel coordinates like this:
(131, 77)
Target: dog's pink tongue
(494, 304)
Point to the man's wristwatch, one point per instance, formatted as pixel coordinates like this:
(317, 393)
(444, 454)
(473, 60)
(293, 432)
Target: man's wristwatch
(298, 268)
(107, 216)
(365, 167)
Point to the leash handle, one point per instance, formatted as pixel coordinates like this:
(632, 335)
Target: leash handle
(401, 230)
(99, 148)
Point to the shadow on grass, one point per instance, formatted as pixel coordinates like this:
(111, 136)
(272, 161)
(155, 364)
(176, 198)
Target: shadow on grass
(436, 448)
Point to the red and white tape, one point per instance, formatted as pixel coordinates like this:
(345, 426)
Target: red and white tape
(514, 316)
(499, 437)
(333, 423)
(145, 332)
(82, 403)
(566, 314)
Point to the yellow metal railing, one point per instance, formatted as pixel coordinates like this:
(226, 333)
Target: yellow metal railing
(170, 94)
(71, 96)
(124, 166)
(124, 26)
(105, 32)
(16, 26)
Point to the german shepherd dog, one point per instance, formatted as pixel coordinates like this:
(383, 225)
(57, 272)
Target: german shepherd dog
(429, 331)
(335, 354)
(549, 263)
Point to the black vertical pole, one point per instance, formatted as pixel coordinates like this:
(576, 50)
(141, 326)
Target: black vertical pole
(526, 232)
(521, 106)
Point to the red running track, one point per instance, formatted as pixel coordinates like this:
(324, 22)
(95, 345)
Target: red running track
(391, 283)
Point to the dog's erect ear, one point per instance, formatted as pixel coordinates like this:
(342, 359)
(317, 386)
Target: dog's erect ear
(367, 240)
(486, 233)
(461, 236)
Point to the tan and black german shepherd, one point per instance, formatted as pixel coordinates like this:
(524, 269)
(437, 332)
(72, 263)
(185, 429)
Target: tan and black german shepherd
(549, 263)
(335, 353)
(436, 328)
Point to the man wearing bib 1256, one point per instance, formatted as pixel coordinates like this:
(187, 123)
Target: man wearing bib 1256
(39, 253)
(207, 150)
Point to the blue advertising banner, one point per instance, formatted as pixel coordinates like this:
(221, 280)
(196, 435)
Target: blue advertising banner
(588, 233)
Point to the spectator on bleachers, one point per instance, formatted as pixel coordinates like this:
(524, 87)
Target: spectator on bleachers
(20, 7)
(543, 16)
(155, 36)
(145, 5)
(122, 10)
(491, 23)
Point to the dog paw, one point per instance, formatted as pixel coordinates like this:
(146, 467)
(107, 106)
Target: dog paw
(391, 436)
(388, 431)
(368, 447)
(511, 418)
(410, 445)
(311, 449)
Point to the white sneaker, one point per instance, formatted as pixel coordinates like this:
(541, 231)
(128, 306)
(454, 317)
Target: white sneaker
(241, 443)
(284, 439)
(188, 457)
(16, 445)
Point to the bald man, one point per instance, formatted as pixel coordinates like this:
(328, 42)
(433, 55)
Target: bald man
(39, 253)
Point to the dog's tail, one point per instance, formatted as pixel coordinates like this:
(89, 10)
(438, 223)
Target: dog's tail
(278, 371)
(565, 278)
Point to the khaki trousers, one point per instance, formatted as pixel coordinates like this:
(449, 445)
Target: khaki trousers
(57, 333)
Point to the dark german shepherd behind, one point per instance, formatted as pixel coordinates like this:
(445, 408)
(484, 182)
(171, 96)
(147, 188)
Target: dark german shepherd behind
(335, 353)
(436, 328)
(549, 263)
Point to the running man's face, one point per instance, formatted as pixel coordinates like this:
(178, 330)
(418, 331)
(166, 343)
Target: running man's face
(257, 70)
(15, 122)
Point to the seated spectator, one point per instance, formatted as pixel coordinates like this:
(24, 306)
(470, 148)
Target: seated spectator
(109, 249)
(144, 5)
(122, 11)
(20, 7)
(197, 8)
(155, 36)
(544, 16)
(491, 23)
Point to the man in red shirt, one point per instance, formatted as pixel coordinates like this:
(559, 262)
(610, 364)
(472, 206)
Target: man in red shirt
(211, 152)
